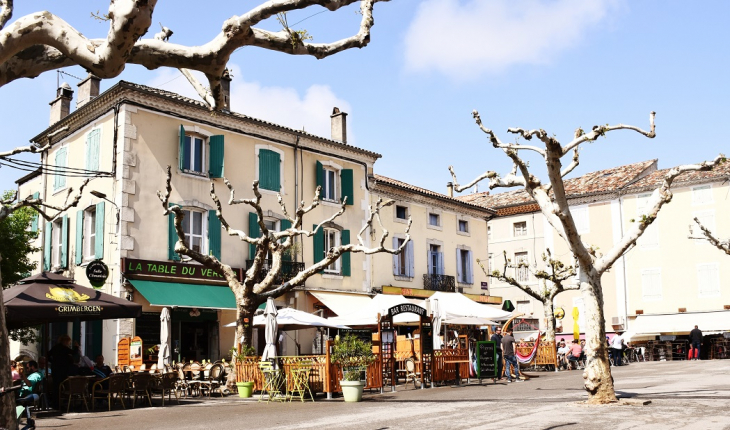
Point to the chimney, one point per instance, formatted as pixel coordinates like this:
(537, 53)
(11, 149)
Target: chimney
(88, 90)
(450, 189)
(226, 87)
(61, 106)
(339, 125)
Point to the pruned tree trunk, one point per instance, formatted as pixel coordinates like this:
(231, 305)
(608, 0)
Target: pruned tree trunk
(597, 374)
(548, 309)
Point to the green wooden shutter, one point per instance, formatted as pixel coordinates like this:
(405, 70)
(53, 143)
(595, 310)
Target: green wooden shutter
(269, 170)
(320, 177)
(99, 231)
(172, 235)
(214, 235)
(59, 181)
(346, 183)
(79, 237)
(345, 240)
(48, 243)
(93, 144)
(34, 221)
(318, 245)
(254, 231)
(183, 161)
(284, 225)
(64, 242)
(216, 156)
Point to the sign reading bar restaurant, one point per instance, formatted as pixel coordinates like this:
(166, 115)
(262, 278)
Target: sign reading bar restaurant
(406, 308)
(97, 272)
(147, 268)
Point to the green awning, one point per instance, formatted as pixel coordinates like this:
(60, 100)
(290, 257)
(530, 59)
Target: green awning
(186, 295)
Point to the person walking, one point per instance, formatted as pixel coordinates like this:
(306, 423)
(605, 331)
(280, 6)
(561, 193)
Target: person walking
(695, 340)
(508, 350)
(617, 348)
(497, 339)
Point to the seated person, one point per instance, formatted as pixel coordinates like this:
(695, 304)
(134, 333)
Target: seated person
(562, 352)
(30, 377)
(14, 370)
(101, 369)
(574, 354)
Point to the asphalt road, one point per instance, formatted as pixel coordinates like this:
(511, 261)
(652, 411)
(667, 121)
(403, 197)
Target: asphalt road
(683, 395)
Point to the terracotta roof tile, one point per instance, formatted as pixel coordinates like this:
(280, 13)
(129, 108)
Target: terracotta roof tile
(653, 180)
(425, 192)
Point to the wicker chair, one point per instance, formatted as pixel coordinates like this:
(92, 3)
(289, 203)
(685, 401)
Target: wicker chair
(141, 385)
(166, 384)
(117, 387)
(74, 387)
(215, 380)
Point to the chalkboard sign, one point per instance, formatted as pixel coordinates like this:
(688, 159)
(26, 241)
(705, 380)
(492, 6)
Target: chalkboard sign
(364, 335)
(486, 359)
(427, 338)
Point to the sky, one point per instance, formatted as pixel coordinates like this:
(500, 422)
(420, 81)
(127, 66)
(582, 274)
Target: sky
(551, 64)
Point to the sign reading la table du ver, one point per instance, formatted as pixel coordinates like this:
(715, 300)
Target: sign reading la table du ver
(134, 267)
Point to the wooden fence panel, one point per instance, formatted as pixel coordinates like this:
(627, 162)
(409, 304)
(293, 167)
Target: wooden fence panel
(445, 362)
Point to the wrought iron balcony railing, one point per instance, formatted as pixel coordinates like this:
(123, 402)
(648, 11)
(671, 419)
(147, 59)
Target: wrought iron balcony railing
(289, 269)
(439, 283)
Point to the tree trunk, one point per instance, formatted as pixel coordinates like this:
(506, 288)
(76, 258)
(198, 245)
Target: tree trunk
(597, 374)
(244, 321)
(8, 419)
(549, 309)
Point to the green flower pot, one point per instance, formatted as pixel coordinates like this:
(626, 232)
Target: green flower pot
(245, 389)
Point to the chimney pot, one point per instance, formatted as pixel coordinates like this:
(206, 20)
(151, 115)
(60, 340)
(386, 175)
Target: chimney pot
(226, 87)
(450, 189)
(88, 90)
(61, 105)
(339, 125)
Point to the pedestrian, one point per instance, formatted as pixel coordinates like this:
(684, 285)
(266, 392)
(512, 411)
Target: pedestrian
(695, 340)
(508, 350)
(617, 347)
(62, 358)
(497, 339)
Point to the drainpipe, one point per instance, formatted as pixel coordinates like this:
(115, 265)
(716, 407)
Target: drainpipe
(623, 264)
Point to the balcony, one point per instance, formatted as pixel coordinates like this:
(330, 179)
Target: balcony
(439, 283)
(289, 269)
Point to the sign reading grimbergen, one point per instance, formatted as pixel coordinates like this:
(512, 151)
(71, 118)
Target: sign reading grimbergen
(407, 308)
(97, 272)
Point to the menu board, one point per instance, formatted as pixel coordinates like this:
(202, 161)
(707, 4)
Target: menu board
(486, 359)
(427, 338)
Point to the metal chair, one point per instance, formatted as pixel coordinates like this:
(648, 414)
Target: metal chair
(117, 387)
(273, 381)
(300, 381)
(74, 387)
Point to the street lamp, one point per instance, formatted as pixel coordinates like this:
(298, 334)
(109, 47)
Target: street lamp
(102, 196)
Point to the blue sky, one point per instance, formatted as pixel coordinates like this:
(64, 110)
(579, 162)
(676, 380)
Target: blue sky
(551, 64)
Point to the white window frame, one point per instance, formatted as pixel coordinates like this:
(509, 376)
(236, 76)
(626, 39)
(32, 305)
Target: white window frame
(650, 238)
(707, 219)
(89, 234)
(515, 229)
(203, 157)
(282, 188)
(57, 242)
(702, 195)
(655, 292)
(581, 218)
(333, 238)
(204, 228)
(522, 274)
(714, 282)
(331, 184)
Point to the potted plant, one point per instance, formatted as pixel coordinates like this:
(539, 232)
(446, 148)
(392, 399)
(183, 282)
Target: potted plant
(353, 355)
(245, 388)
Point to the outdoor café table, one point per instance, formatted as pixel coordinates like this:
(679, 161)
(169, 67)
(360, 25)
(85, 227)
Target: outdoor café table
(299, 381)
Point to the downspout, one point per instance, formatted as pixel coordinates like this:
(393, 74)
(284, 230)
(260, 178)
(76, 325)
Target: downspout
(623, 263)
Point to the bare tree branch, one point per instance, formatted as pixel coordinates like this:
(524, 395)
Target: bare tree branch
(7, 206)
(723, 246)
(6, 13)
(601, 130)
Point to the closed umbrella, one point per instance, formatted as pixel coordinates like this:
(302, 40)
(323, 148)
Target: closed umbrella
(270, 330)
(436, 323)
(164, 354)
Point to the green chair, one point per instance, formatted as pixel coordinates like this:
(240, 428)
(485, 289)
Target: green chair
(273, 381)
(300, 381)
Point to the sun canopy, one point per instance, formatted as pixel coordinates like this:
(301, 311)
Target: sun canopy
(342, 304)
(47, 297)
(469, 321)
(186, 295)
(293, 319)
(679, 323)
(455, 305)
(368, 314)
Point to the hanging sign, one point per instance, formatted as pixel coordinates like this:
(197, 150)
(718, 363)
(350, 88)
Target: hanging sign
(97, 272)
(407, 308)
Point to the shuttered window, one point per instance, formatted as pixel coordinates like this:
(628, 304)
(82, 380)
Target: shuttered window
(214, 235)
(172, 236)
(708, 280)
(464, 266)
(345, 239)
(650, 237)
(346, 179)
(254, 231)
(34, 220)
(269, 170)
(651, 285)
(403, 262)
(217, 152)
(93, 146)
(59, 180)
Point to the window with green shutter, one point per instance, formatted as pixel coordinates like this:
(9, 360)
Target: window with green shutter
(318, 245)
(34, 221)
(93, 146)
(319, 173)
(269, 170)
(98, 228)
(59, 180)
(214, 235)
(346, 179)
(47, 246)
(172, 235)
(216, 156)
(254, 231)
(64, 243)
(346, 256)
(79, 243)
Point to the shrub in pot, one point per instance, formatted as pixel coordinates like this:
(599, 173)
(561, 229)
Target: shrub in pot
(353, 355)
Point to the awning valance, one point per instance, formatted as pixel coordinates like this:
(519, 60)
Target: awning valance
(342, 303)
(186, 295)
(681, 323)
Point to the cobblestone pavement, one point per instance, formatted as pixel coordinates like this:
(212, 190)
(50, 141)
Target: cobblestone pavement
(683, 395)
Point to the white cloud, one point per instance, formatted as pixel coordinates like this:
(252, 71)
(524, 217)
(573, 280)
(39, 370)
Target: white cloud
(463, 39)
(279, 105)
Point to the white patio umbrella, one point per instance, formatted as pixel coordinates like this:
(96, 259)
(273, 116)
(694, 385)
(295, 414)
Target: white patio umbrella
(270, 331)
(293, 319)
(163, 356)
(436, 323)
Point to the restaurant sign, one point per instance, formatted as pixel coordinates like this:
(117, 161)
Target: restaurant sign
(406, 308)
(97, 272)
(73, 302)
(147, 268)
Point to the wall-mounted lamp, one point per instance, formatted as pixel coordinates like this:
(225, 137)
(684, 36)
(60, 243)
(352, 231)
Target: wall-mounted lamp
(102, 196)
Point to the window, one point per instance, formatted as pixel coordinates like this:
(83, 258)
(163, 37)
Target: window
(329, 192)
(403, 262)
(57, 243)
(272, 225)
(519, 228)
(400, 269)
(523, 274)
(489, 232)
(435, 260)
(193, 155)
(337, 184)
(463, 266)
(269, 170)
(434, 219)
(401, 212)
(195, 230)
(707, 219)
(702, 195)
(59, 180)
(650, 237)
(708, 280)
(580, 218)
(93, 145)
(331, 240)
(651, 285)
(463, 226)
(90, 233)
(524, 307)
